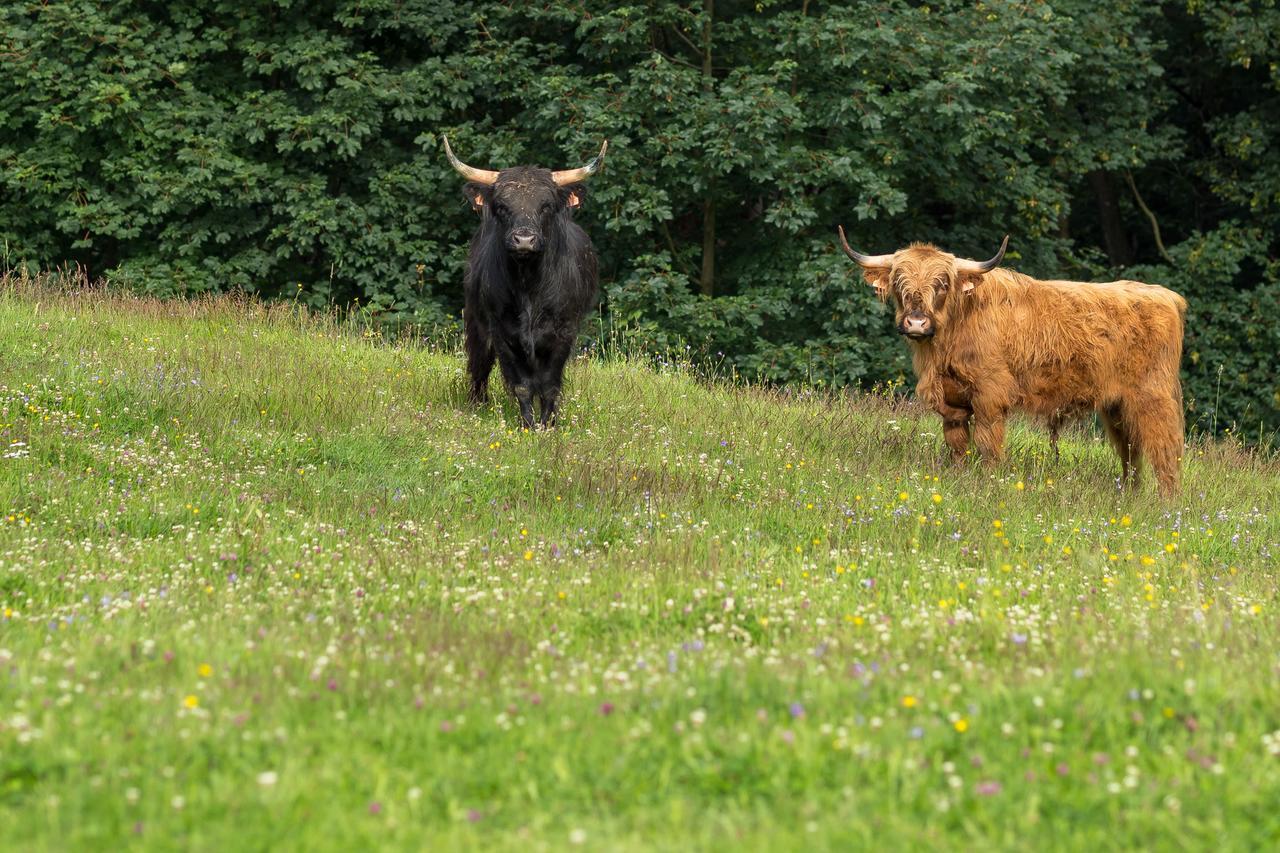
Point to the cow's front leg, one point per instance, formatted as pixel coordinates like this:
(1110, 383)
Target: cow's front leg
(518, 379)
(551, 375)
(955, 432)
(524, 398)
(988, 428)
(952, 404)
(549, 399)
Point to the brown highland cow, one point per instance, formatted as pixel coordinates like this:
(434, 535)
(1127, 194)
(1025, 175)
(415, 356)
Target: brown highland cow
(985, 341)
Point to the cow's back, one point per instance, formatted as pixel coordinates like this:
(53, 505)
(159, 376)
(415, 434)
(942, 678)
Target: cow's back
(1065, 345)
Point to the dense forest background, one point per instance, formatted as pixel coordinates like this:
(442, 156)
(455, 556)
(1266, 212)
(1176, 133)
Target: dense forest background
(292, 149)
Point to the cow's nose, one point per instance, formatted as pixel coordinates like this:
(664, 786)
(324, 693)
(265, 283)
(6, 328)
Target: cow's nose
(917, 326)
(524, 241)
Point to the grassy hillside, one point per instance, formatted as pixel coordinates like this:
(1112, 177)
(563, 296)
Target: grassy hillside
(266, 582)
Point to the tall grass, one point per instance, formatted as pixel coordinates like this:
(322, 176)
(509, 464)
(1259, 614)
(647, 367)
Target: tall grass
(266, 580)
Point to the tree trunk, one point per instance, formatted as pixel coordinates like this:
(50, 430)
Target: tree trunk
(1114, 236)
(795, 78)
(708, 282)
(707, 285)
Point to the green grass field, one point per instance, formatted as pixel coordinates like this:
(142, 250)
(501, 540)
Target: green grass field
(268, 583)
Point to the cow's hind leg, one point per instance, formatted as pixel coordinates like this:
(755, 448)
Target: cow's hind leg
(1055, 430)
(1157, 423)
(480, 357)
(1124, 442)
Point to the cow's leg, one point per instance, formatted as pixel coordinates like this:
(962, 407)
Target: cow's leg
(988, 427)
(518, 378)
(956, 434)
(1157, 421)
(480, 356)
(1124, 442)
(549, 400)
(552, 377)
(955, 431)
(1055, 428)
(953, 406)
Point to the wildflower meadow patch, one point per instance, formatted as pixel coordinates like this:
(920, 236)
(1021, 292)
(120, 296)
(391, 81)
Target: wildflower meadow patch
(268, 581)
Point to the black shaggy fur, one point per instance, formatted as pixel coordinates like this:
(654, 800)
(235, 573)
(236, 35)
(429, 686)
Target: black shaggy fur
(531, 278)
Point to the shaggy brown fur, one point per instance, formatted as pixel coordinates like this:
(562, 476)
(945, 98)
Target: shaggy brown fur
(1055, 349)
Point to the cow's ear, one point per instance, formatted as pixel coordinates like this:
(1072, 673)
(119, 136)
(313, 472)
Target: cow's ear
(478, 195)
(573, 195)
(967, 281)
(877, 277)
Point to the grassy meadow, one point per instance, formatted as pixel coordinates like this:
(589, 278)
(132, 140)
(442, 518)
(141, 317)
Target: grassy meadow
(266, 582)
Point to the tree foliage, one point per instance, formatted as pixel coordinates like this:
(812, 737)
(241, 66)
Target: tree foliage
(293, 149)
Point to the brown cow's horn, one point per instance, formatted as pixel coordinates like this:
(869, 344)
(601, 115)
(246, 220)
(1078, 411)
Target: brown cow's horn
(865, 261)
(984, 266)
(471, 173)
(573, 176)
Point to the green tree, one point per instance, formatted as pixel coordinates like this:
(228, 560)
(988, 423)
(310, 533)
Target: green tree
(293, 150)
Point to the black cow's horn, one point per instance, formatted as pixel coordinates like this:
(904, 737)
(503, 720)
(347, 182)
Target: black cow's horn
(865, 261)
(573, 176)
(471, 173)
(983, 266)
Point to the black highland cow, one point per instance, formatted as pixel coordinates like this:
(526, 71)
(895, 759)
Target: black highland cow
(531, 278)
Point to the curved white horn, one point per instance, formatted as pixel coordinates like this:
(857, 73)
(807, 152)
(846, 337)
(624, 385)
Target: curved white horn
(573, 176)
(983, 266)
(865, 261)
(471, 173)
